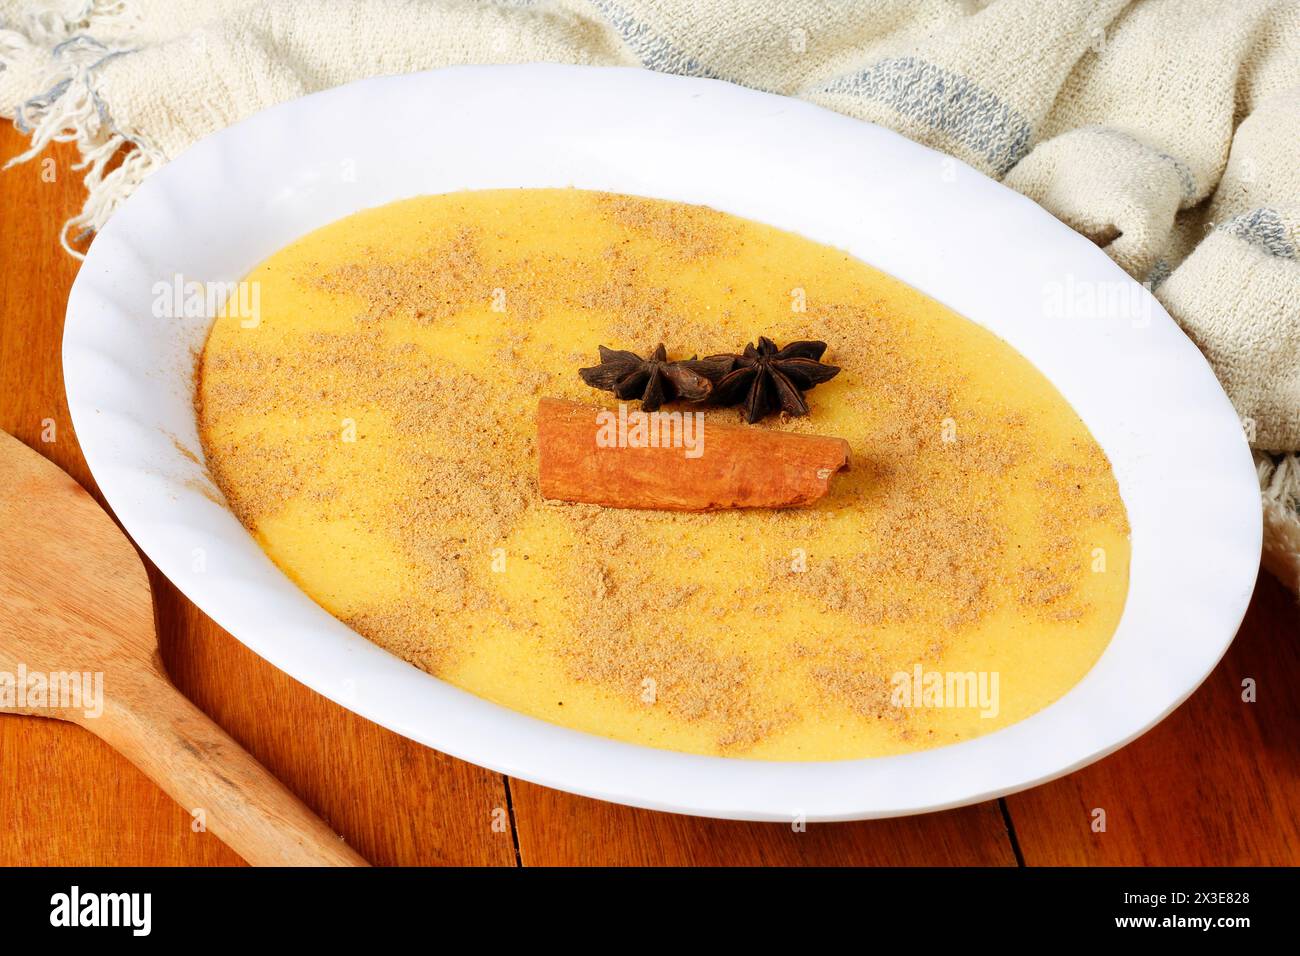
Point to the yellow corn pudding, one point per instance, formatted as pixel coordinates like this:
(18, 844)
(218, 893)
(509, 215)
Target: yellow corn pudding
(373, 426)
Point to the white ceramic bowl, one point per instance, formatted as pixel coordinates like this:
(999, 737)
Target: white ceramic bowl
(1145, 391)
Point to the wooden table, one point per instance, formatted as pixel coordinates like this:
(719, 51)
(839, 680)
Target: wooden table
(1217, 782)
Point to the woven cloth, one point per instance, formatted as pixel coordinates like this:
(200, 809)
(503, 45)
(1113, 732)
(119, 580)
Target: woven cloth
(1164, 130)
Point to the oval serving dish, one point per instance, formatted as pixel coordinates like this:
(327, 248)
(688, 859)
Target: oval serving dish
(1148, 396)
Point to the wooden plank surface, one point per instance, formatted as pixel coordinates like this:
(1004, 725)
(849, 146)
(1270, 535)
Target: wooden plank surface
(558, 829)
(1219, 781)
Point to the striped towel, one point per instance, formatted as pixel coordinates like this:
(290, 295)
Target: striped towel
(1164, 130)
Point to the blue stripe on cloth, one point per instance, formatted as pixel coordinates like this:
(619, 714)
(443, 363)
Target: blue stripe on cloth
(1263, 228)
(654, 51)
(946, 102)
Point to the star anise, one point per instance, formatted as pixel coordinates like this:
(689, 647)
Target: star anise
(767, 379)
(653, 380)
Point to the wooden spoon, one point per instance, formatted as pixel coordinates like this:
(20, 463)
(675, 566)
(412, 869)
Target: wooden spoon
(74, 599)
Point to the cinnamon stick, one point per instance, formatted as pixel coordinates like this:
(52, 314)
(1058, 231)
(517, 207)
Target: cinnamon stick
(674, 461)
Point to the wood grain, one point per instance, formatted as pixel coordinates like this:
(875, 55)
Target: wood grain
(559, 829)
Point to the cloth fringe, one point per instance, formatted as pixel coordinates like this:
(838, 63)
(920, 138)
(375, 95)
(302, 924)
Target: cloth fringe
(69, 110)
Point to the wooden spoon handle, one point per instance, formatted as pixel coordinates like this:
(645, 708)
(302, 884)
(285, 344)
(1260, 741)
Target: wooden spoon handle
(203, 769)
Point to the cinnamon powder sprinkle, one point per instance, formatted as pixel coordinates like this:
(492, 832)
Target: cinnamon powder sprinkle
(458, 481)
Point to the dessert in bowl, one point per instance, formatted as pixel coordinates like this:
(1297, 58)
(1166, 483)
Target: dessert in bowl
(375, 430)
(971, 283)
